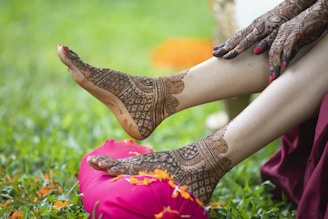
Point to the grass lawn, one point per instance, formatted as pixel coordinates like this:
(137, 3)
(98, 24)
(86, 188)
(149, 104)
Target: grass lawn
(48, 122)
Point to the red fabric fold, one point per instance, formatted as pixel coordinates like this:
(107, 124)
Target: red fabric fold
(300, 167)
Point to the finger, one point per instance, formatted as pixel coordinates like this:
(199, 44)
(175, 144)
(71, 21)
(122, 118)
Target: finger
(218, 47)
(232, 42)
(244, 44)
(288, 48)
(274, 73)
(275, 57)
(265, 44)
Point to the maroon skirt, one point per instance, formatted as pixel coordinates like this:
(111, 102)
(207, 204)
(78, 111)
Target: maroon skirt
(300, 167)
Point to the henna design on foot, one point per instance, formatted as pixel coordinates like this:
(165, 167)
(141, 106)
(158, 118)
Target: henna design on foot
(199, 166)
(139, 104)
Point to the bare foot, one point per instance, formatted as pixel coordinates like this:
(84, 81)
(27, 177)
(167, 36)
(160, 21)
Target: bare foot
(139, 104)
(199, 166)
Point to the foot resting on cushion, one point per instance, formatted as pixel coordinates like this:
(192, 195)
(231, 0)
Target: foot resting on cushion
(199, 166)
(140, 104)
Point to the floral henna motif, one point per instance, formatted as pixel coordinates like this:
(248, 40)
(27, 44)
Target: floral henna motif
(263, 28)
(200, 165)
(147, 100)
(303, 29)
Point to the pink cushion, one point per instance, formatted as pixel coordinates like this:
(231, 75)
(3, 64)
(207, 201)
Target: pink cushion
(142, 196)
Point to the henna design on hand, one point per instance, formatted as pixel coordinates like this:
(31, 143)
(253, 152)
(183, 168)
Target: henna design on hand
(263, 28)
(303, 29)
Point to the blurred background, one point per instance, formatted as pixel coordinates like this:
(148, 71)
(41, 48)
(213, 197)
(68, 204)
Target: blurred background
(124, 35)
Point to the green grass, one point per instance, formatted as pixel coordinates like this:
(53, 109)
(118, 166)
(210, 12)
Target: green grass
(48, 122)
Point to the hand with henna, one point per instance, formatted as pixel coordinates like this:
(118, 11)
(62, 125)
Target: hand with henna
(303, 29)
(264, 28)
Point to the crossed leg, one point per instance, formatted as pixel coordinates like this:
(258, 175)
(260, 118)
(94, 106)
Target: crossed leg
(140, 104)
(285, 103)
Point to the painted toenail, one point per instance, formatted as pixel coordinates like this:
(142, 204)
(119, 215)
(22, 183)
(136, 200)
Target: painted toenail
(65, 48)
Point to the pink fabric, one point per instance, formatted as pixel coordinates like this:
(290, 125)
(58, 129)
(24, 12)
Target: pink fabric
(120, 199)
(300, 166)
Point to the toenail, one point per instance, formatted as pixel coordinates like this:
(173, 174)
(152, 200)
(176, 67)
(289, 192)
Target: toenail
(65, 48)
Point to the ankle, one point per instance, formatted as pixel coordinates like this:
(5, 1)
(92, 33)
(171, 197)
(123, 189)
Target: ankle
(174, 85)
(219, 148)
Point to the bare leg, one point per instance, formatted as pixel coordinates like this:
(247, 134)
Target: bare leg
(281, 106)
(287, 102)
(140, 104)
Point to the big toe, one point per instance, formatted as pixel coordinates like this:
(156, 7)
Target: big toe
(101, 162)
(62, 51)
(67, 57)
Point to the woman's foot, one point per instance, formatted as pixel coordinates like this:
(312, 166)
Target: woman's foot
(199, 166)
(140, 104)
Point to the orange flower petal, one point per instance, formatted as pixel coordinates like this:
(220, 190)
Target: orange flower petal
(4, 205)
(16, 214)
(59, 204)
(199, 202)
(116, 178)
(167, 211)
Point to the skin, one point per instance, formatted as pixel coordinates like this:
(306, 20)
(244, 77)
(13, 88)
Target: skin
(303, 29)
(140, 104)
(202, 164)
(275, 30)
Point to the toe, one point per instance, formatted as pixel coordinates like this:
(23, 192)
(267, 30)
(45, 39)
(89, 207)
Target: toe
(73, 63)
(62, 50)
(101, 162)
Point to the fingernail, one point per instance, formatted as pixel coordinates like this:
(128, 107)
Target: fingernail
(272, 76)
(257, 50)
(285, 61)
(284, 64)
(231, 54)
(221, 52)
(218, 46)
(274, 73)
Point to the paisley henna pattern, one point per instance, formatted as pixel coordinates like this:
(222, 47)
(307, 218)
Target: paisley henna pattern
(263, 28)
(200, 165)
(303, 29)
(147, 100)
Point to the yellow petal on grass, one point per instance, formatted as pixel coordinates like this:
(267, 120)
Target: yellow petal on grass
(37, 211)
(59, 204)
(4, 205)
(215, 204)
(16, 214)
(44, 190)
(49, 176)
